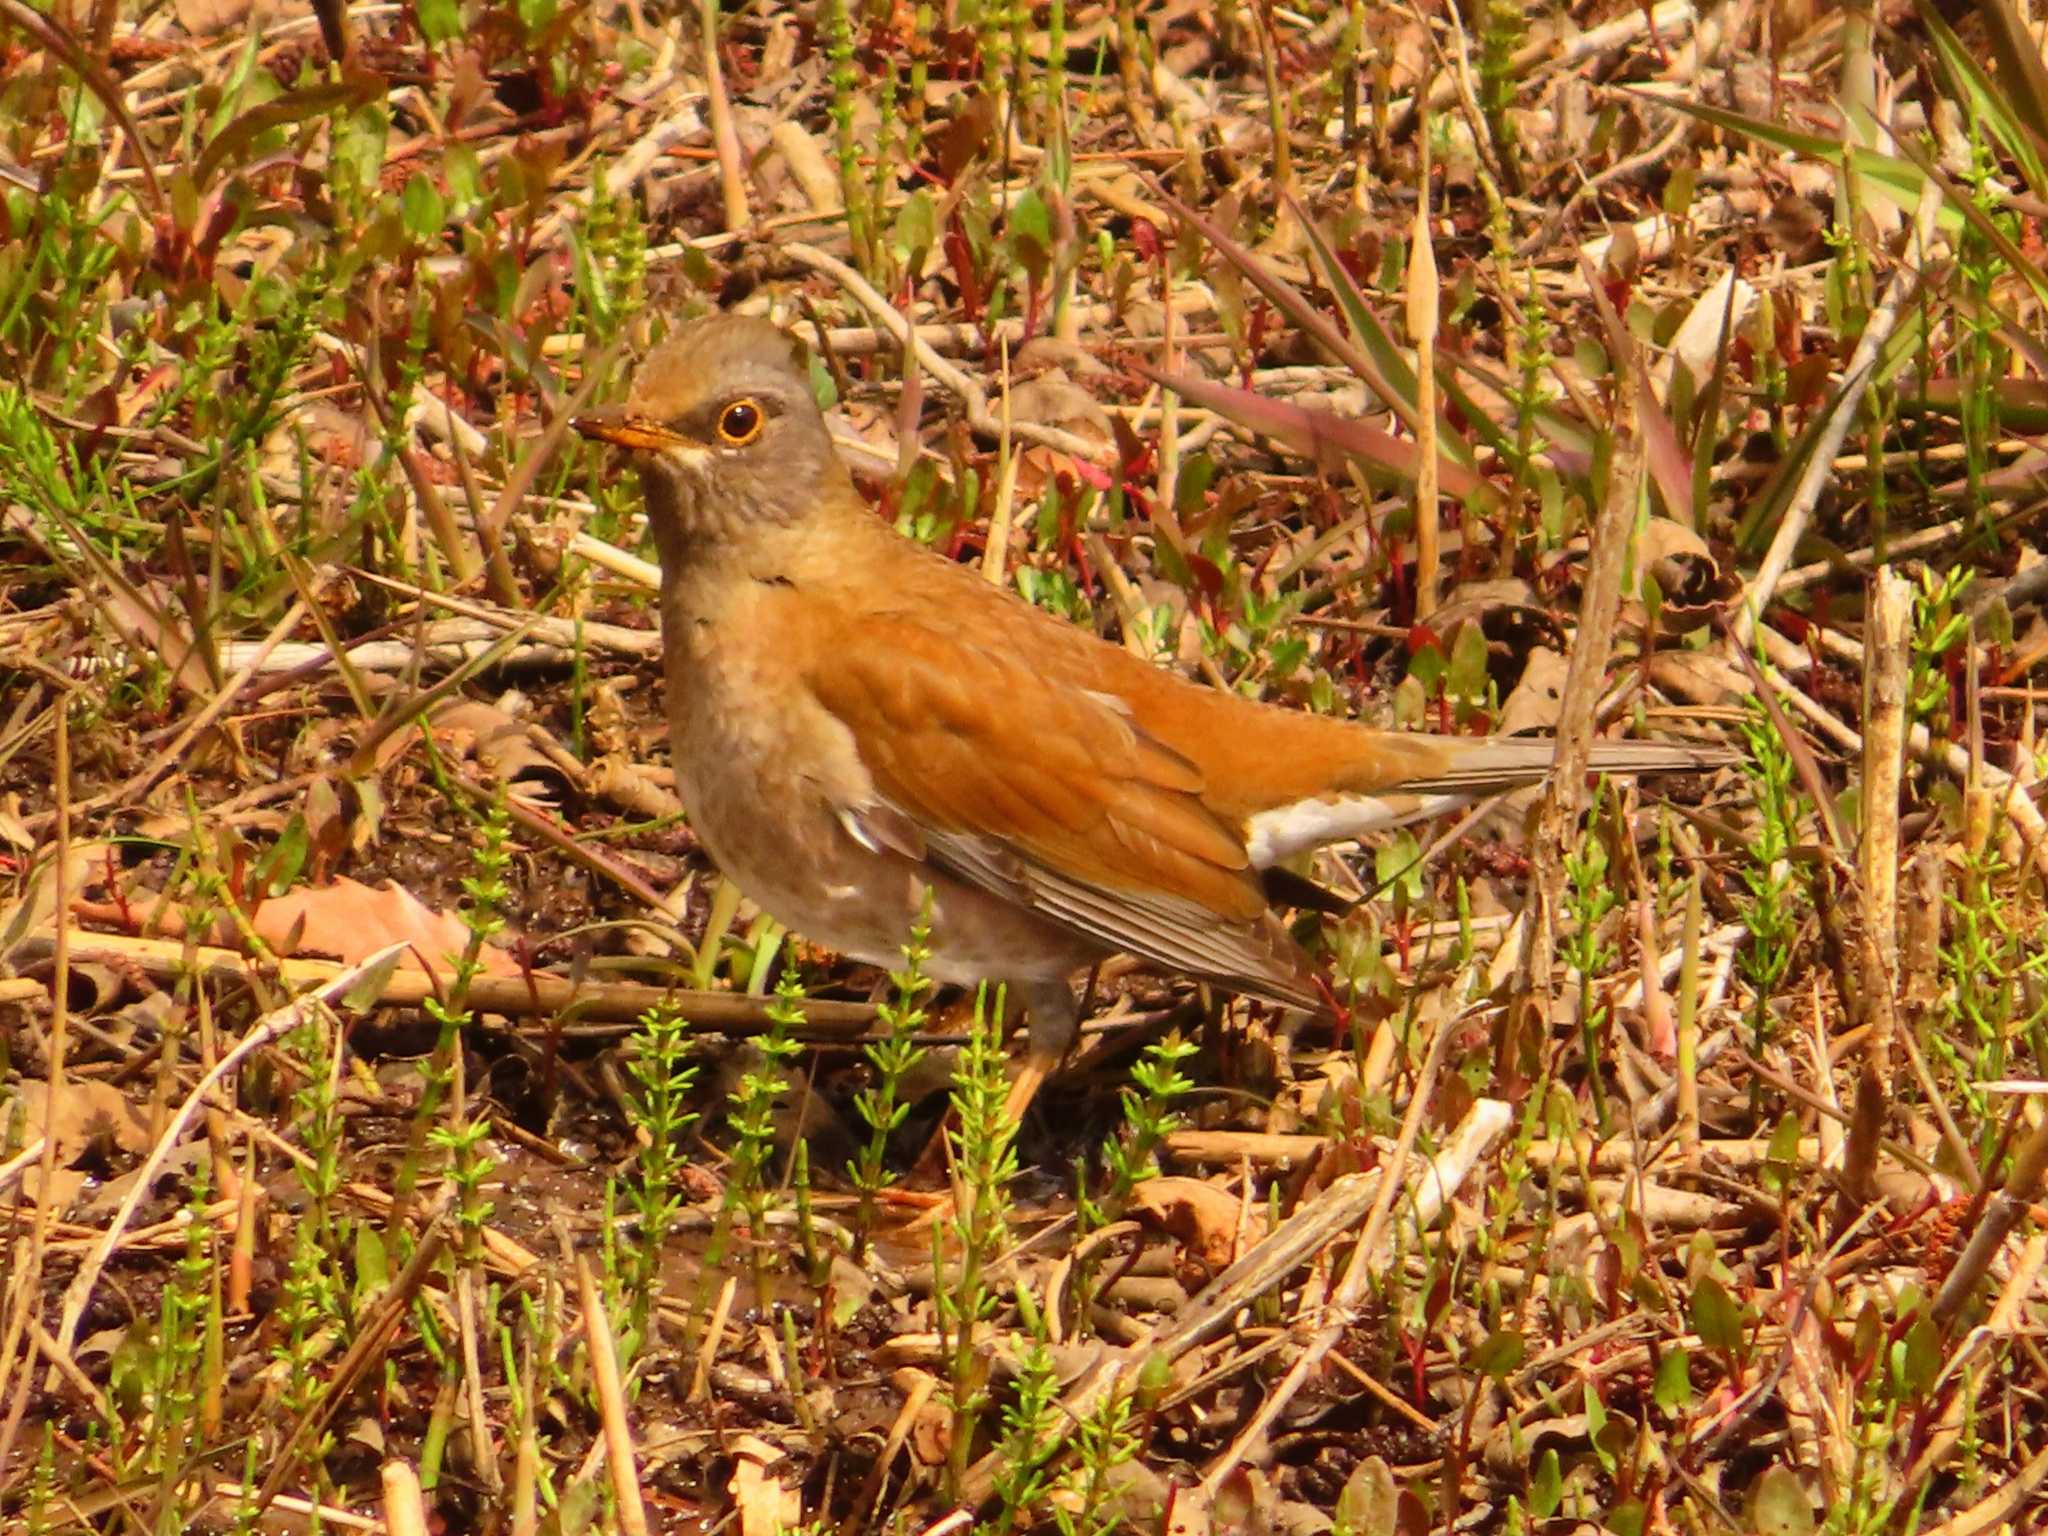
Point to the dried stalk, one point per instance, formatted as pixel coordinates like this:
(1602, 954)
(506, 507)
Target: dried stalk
(1888, 643)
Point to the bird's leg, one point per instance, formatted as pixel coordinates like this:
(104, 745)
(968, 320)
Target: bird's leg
(1055, 1021)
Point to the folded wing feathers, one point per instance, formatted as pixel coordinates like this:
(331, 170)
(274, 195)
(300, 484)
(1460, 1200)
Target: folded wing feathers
(1247, 956)
(1500, 762)
(1125, 812)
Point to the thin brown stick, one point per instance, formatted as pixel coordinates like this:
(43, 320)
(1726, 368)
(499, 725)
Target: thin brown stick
(732, 180)
(1592, 642)
(1888, 642)
(533, 996)
(1489, 1118)
(271, 1026)
(26, 1300)
(370, 1342)
(611, 1403)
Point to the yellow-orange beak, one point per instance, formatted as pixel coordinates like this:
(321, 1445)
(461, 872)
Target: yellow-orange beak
(611, 424)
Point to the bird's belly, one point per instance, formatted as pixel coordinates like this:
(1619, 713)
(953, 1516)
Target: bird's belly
(775, 834)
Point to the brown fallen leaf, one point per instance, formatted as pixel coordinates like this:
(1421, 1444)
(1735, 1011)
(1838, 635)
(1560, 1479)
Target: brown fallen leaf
(1201, 1216)
(765, 1506)
(210, 18)
(88, 1117)
(351, 921)
(1538, 698)
(621, 781)
(343, 919)
(501, 745)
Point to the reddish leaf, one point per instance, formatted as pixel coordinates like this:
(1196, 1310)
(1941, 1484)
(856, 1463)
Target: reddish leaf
(1325, 437)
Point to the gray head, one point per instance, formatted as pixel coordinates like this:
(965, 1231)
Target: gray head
(725, 432)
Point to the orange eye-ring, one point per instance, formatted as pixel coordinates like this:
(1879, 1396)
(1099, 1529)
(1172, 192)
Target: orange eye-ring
(740, 423)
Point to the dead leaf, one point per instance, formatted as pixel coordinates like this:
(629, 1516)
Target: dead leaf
(1051, 399)
(145, 619)
(620, 781)
(1043, 352)
(808, 166)
(1696, 677)
(1370, 1501)
(343, 920)
(765, 1506)
(11, 828)
(1720, 309)
(1244, 1503)
(502, 746)
(1201, 1216)
(1187, 1512)
(210, 18)
(88, 1117)
(931, 1434)
(1538, 698)
(327, 827)
(350, 921)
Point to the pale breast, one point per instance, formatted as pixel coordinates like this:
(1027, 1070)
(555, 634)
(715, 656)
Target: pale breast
(764, 772)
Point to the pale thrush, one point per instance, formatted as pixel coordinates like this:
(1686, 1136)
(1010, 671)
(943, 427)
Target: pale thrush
(857, 720)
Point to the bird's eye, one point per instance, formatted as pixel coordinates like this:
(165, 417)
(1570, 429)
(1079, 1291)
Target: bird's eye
(740, 423)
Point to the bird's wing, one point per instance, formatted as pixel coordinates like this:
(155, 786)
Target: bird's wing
(1050, 796)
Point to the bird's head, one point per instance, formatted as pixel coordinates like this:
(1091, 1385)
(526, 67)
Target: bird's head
(724, 429)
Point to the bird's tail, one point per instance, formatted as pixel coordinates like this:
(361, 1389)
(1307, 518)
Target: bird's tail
(1462, 769)
(1488, 763)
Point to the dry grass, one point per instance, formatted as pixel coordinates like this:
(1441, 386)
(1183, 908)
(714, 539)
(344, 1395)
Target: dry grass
(1677, 1163)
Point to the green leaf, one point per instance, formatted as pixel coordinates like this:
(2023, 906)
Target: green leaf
(1428, 667)
(358, 156)
(1781, 1159)
(1370, 1500)
(356, 89)
(464, 174)
(1397, 867)
(1715, 1316)
(824, 389)
(239, 77)
(372, 977)
(1778, 1505)
(582, 1503)
(1673, 1390)
(1916, 1360)
(1030, 235)
(1411, 701)
(1596, 1427)
(1500, 1352)
(279, 869)
(1467, 677)
(916, 228)
(1155, 1375)
(424, 210)
(1197, 475)
(1546, 1488)
(440, 20)
(373, 1268)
